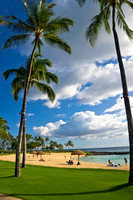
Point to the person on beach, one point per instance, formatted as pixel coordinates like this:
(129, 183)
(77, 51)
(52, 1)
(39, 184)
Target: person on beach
(109, 163)
(125, 161)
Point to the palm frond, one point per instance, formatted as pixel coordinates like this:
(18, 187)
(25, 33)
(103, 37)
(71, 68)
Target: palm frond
(17, 81)
(18, 26)
(9, 72)
(60, 24)
(93, 29)
(47, 62)
(26, 7)
(16, 40)
(122, 24)
(106, 17)
(37, 54)
(51, 76)
(17, 89)
(43, 62)
(27, 4)
(3, 124)
(21, 72)
(55, 41)
(129, 3)
(46, 90)
(119, 7)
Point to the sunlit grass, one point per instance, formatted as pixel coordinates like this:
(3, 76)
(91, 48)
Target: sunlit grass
(37, 182)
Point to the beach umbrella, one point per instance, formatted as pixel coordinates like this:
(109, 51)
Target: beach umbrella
(79, 153)
(40, 153)
(33, 152)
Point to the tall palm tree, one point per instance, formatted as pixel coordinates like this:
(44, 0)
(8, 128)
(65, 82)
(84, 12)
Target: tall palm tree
(69, 144)
(113, 9)
(40, 23)
(39, 74)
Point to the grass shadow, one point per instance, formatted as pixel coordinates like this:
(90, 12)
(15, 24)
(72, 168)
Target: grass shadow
(7, 177)
(113, 189)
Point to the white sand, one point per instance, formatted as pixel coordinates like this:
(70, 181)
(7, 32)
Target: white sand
(59, 160)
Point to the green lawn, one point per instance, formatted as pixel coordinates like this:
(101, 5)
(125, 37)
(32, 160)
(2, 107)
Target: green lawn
(49, 183)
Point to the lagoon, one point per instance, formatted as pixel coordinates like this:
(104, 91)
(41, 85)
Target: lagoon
(115, 159)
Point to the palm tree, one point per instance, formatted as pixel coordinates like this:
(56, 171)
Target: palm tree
(113, 9)
(69, 144)
(40, 24)
(4, 135)
(39, 74)
(46, 140)
(1, 19)
(3, 125)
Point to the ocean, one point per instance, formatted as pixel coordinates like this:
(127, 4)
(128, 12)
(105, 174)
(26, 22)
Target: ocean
(107, 149)
(115, 159)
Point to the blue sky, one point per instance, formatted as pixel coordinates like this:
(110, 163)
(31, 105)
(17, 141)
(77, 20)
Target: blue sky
(88, 108)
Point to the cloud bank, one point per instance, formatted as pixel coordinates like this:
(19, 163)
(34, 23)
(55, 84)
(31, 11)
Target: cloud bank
(87, 125)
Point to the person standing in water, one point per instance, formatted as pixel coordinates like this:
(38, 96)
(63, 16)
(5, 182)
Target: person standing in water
(125, 161)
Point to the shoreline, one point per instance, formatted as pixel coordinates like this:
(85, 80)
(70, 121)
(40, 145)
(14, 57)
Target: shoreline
(60, 160)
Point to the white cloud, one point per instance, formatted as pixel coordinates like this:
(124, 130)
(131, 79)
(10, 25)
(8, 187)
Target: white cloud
(119, 106)
(30, 114)
(87, 125)
(54, 104)
(88, 83)
(63, 115)
(18, 125)
(48, 129)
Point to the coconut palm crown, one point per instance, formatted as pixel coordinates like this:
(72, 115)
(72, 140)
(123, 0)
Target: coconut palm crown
(39, 75)
(102, 19)
(40, 23)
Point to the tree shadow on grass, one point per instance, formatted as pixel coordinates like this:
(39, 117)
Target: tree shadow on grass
(7, 177)
(113, 189)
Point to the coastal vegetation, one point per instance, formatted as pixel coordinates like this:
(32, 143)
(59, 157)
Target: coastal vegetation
(40, 24)
(60, 183)
(8, 144)
(112, 9)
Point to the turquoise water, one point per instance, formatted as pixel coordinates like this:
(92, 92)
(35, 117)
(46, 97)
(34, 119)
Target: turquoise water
(115, 159)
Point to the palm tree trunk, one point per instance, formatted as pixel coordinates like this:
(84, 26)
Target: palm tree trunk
(18, 150)
(125, 95)
(24, 146)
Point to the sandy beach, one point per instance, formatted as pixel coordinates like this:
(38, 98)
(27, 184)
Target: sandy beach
(59, 160)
